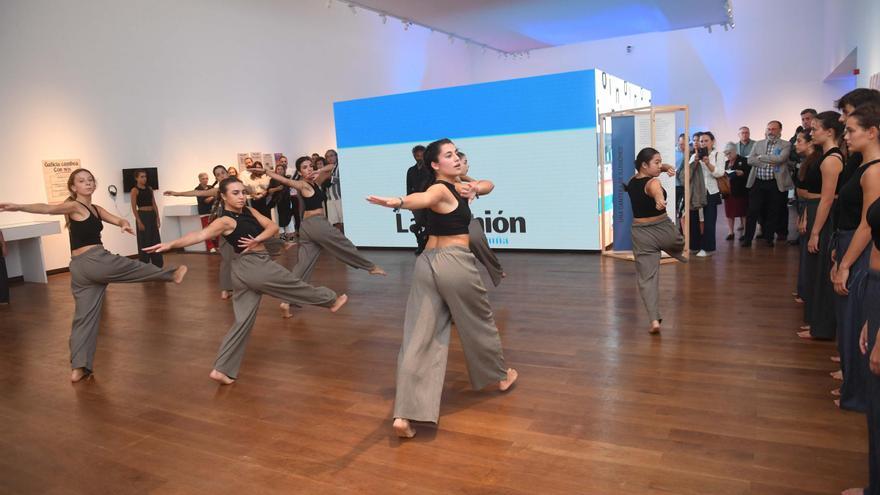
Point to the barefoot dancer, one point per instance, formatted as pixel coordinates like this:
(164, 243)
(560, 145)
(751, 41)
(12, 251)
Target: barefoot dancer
(315, 232)
(147, 218)
(446, 287)
(652, 230)
(92, 267)
(253, 273)
(479, 244)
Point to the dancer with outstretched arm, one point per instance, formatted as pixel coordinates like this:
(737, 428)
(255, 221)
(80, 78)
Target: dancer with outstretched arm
(446, 287)
(92, 267)
(253, 273)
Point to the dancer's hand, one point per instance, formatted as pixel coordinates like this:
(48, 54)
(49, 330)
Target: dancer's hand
(802, 224)
(248, 243)
(874, 360)
(125, 227)
(813, 245)
(9, 207)
(671, 172)
(158, 222)
(158, 248)
(169, 193)
(467, 190)
(386, 202)
(863, 339)
(140, 226)
(840, 280)
(660, 204)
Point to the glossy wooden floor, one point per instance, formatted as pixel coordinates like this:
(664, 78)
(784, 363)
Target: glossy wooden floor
(727, 401)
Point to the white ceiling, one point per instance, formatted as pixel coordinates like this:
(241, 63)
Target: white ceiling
(520, 25)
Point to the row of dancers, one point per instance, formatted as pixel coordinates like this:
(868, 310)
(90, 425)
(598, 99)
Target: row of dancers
(446, 285)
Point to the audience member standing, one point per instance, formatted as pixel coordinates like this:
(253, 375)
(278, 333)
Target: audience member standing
(736, 205)
(334, 192)
(707, 165)
(418, 178)
(745, 144)
(204, 206)
(769, 182)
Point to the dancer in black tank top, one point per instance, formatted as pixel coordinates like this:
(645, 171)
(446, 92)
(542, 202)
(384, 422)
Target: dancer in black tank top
(652, 230)
(253, 273)
(147, 218)
(315, 232)
(446, 288)
(92, 267)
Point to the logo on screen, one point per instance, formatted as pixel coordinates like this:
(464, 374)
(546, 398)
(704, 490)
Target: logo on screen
(497, 227)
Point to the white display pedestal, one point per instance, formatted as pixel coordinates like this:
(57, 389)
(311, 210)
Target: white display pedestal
(181, 220)
(26, 249)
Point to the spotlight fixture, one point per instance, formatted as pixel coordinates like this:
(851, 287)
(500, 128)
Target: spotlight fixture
(709, 28)
(384, 18)
(725, 27)
(405, 25)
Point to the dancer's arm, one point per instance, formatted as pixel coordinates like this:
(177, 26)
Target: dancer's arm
(203, 193)
(655, 190)
(156, 210)
(65, 208)
(830, 168)
(415, 201)
(299, 185)
(114, 220)
(871, 186)
(669, 169)
(475, 188)
(324, 173)
(270, 228)
(222, 225)
(134, 212)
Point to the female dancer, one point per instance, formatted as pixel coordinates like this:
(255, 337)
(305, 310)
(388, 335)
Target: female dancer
(146, 216)
(92, 267)
(446, 287)
(707, 165)
(819, 177)
(849, 272)
(479, 244)
(652, 230)
(809, 157)
(315, 232)
(253, 273)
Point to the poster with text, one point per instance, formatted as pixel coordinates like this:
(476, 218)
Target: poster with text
(55, 175)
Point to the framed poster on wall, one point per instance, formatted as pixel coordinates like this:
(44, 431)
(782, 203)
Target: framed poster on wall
(55, 175)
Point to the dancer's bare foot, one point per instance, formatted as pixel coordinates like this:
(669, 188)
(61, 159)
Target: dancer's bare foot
(804, 327)
(220, 377)
(287, 245)
(853, 491)
(402, 428)
(655, 327)
(78, 374)
(836, 392)
(837, 403)
(508, 382)
(835, 359)
(224, 294)
(180, 273)
(837, 375)
(340, 301)
(503, 275)
(804, 334)
(377, 270)
(798, 300)
(285, 310)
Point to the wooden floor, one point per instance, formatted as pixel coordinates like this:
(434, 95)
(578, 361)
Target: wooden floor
(727, 401)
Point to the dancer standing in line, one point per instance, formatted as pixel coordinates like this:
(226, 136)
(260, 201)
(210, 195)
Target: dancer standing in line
(479, 244)
(146, 216)
(819, 177)
(652, 230)
(315, 233)
(446, 287)
(4, 276)
(204, 206)
(92, 267)
(852, 252)
(809, 156)
(253, 273)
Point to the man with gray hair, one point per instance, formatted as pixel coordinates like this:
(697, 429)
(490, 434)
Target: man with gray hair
(769, 182)
(745, 144)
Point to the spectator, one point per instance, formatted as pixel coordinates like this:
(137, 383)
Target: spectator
(334, 191)
(769, 182)
(204, 207)
(418, 178)
(707, 165)
(4, 277)
(745, 144)
(736, 205)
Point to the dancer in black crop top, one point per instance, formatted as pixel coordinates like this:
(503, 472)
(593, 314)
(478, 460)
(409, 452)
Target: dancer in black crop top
(315, 232)
(147, 219)
(254, 273)
(652, 230)
(446, 287)
(92, 267)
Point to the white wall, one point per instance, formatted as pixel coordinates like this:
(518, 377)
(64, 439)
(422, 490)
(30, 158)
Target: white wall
(186, 85)
(746, 76)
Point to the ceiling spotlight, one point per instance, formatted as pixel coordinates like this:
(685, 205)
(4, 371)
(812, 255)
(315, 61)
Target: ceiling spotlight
(725, 27)
(406, 25)
(353, 10)
(732, 25)
(384, 18)
(709, 28)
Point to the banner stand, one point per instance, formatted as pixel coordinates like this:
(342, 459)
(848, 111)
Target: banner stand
(651, 112)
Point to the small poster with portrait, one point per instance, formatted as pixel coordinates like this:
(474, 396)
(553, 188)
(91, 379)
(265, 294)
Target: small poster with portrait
(55, 175)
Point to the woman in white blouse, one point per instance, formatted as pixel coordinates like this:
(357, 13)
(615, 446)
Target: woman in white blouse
(707, 164)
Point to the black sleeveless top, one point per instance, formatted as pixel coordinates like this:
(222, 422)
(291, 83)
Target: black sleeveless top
(643, 205)
(813, 178)
(849, 201)
(315, 201)
(873, 218)
(144, 196)
(246, 225)
(85, 232)
(453, 223)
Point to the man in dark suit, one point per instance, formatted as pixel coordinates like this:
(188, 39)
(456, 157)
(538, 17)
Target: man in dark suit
(418, 178)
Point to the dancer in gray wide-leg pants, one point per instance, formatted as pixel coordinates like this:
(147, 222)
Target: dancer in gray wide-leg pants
(90, 272)
(446, 286)
(648, 240)
(255, 274)
(315, 235)
(480, 247)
